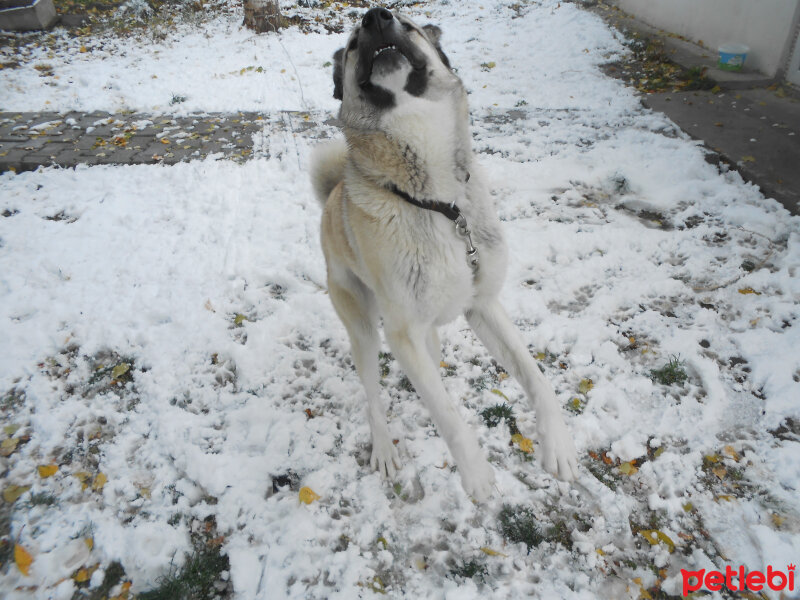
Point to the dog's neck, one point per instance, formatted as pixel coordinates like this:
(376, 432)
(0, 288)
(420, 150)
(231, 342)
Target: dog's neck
(429, 170)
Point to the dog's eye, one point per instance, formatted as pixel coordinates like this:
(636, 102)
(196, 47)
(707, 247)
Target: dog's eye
(353, 44)
(407, 27)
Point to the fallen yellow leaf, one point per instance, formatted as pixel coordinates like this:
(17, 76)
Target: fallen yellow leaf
(497, 392)
(120, 370)
(89, 543)
(585, 385)
(720, 471)
(748, 158)
(490, 552)
(12, 493)
(524, 444)
(628, 468)
(8, 446)
(23, 559)
(307, 495)
(83, 477)
(99, 482)
(81, 575)
(46, 471)
(730, 451)
(748, 290)
(654, 536)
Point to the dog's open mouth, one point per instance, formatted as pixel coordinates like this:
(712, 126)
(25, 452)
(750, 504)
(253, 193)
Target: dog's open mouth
(383, 60)
(383, 48)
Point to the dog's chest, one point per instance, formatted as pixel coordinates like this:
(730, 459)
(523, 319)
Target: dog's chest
(430, 271)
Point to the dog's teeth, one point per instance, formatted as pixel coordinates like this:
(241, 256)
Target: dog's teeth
(383, 49)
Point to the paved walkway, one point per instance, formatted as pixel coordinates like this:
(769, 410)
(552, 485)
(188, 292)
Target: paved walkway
(30, 140)
(750, 121)
(753, 131)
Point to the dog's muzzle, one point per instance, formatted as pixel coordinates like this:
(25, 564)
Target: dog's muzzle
(381, 36)
(377, 18)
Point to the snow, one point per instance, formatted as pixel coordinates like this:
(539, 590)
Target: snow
(627, 249)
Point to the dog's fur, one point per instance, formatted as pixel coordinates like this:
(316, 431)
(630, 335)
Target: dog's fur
(405, 119)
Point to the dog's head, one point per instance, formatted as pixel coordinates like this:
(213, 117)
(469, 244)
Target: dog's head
(388, 57)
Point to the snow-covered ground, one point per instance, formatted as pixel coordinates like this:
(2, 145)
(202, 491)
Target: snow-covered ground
(166, 339)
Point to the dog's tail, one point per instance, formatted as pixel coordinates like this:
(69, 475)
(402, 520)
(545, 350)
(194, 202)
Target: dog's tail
(327, 167)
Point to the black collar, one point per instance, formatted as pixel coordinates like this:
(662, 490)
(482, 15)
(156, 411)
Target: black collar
(451, 211)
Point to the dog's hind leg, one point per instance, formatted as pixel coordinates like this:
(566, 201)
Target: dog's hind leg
(434, 346)
(494, 328)
(355, 305)
(410, 345)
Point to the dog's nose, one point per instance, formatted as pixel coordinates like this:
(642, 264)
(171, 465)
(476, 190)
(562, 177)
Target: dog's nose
(377, 18)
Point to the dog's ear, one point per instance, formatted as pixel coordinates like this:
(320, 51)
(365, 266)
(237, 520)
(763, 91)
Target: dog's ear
(434, 34)
(338, 74)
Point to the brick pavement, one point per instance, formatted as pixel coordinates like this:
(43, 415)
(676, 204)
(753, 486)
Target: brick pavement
(30, 140)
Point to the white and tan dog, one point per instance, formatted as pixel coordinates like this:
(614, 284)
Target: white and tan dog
(391, 195)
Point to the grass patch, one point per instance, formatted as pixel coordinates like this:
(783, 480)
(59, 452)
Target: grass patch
(674, 372)
(493, 415)
(604, 474)
(12, 399)
(519, 524)
(42, 499)
(200, 577)
(405, 384)
(576, 406)
(471, 569)
(384, 358)
(560, 533)
(196, 580)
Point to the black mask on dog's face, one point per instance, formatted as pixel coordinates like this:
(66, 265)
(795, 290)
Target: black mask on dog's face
(381, 45)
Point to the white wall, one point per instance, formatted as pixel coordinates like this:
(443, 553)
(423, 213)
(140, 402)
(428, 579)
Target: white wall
(764, 25)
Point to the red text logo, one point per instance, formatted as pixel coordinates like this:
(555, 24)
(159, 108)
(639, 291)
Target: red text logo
(737, 580)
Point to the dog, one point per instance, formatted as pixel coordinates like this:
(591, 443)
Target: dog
(410, 235)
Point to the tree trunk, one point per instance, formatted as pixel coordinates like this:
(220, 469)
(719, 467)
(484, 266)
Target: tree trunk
(262, 15)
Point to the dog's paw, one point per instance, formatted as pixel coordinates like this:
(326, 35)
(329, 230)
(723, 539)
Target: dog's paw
(384, 457)
(557, 450)
(477, 479)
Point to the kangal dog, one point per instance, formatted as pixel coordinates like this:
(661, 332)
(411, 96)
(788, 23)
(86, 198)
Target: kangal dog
(410, 234)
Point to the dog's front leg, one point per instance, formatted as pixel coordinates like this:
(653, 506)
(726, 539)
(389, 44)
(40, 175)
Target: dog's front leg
(492, 325)
(411, 347)
(355, 305)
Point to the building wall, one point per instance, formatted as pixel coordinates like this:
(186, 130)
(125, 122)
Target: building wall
(764, 25)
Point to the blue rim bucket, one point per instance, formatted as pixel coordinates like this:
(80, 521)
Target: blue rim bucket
(732, 56)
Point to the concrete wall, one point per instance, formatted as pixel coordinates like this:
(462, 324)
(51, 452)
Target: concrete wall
(764, 25)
